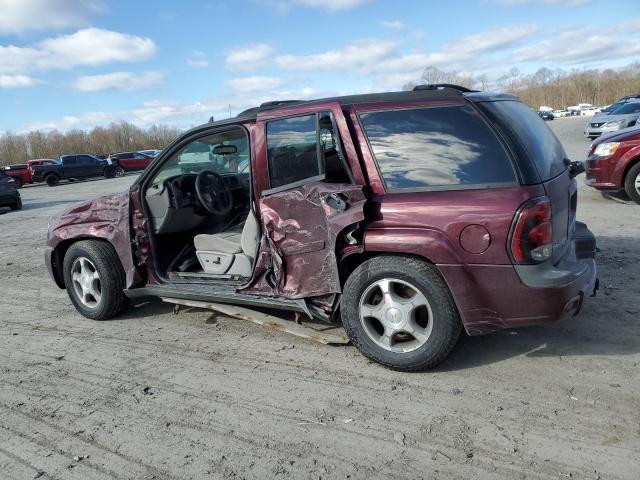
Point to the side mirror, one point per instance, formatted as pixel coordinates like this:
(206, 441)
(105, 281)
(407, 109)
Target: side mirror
(576, 168)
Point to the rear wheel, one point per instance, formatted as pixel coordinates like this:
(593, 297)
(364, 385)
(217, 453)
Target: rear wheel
(52, 180)
(399, 312)
(632, 183)
(95, 279)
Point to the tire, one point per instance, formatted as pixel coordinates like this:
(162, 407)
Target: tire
(109, 172)
(439, 327)
(17, 205)
(632, 183)
(108, 298)
(120, 172)
(52, 180)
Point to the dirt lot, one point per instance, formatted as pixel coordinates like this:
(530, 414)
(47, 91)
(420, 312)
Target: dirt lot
(157, 395)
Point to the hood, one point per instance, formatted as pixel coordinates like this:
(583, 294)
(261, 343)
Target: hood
(619, 136)
(611, 118)
(107, 209)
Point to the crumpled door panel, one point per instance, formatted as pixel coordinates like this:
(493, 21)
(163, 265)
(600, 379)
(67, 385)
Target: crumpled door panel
(297, 257)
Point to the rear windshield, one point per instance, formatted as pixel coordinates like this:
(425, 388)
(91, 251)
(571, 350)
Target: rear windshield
(530, 137)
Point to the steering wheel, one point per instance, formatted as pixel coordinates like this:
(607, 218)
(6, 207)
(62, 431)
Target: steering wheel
(214, 193)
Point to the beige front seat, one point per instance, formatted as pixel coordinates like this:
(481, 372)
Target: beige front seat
(231, 252)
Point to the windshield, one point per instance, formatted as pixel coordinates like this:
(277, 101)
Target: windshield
(529, 136)
(223, 153)
(631, 107)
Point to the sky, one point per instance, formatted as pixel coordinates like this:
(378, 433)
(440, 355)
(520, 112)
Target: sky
(67, 64)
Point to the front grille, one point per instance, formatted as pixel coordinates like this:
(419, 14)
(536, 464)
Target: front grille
(597, 125)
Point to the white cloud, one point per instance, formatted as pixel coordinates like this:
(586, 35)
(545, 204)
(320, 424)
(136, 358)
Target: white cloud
(360, 55)
(18, 81)
(24, 15)
(331, 5)
(249, 58)
(179, 114)
(117, 81)
(255, 84)
(198, 59)
(89, 46)
(394, 25)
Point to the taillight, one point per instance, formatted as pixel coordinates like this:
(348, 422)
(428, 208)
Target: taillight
(532, 235)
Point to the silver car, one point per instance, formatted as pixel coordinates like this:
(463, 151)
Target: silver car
(624, 116)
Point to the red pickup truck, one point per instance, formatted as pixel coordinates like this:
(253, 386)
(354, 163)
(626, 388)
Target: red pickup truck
(23, 173)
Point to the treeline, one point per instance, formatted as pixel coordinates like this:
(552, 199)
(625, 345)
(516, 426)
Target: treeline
(555, 88)
(117, 137)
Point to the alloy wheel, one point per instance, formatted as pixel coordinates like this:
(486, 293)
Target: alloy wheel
(86, 282)
(396, 315)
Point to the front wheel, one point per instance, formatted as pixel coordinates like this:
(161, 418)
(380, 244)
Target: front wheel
(95, 279)
(52, 180)
(399, 312)
(632, 183)
(109, 172)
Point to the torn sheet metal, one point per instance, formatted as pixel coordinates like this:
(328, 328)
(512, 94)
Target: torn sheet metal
(312, 330)
(105, 218)
(297, 258)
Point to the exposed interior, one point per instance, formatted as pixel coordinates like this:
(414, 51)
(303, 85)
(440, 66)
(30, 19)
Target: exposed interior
(201, 216)
(200, 201)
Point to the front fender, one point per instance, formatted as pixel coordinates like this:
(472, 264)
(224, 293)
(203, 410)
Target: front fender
(104, 218)
(622, 165)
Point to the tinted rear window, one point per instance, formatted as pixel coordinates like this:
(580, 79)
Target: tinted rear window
(530, 136)
(438, 147)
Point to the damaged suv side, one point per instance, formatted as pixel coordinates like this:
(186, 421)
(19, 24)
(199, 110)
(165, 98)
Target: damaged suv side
(405, 217)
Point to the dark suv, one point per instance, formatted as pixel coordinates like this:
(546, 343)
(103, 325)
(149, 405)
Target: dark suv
(403, 216)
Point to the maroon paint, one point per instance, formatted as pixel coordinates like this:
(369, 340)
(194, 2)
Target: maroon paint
(429, 224)
(607, 173)
(104, 218)
(301, 231)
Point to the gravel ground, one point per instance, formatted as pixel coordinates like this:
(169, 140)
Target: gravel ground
(157, 395)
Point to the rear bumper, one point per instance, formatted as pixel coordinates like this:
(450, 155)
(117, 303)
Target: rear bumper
(493, 297)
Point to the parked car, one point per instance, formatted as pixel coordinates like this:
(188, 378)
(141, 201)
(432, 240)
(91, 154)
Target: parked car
(561, 113)
(9, 194)
(613, 163)
(151, 153)
(19, 173)
(624, 116)
(23, 173)
(546, 115)
(72, 167)
(403, 216)
(130, 161)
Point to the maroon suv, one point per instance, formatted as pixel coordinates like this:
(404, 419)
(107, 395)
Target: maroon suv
(613, 163)
(404, 216)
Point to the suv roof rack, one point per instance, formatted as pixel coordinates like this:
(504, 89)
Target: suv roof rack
(441, 86)
(277, 103)
(266, 106)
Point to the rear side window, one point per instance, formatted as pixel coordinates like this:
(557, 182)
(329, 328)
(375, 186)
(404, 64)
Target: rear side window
(435, 148)
(534, 142)
(292, 148)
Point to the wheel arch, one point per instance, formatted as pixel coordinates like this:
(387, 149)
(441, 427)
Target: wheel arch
(629, 165)
(60, 251)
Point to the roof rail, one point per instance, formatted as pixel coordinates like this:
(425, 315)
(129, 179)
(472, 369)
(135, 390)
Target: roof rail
(440, 86)
(277, 103)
